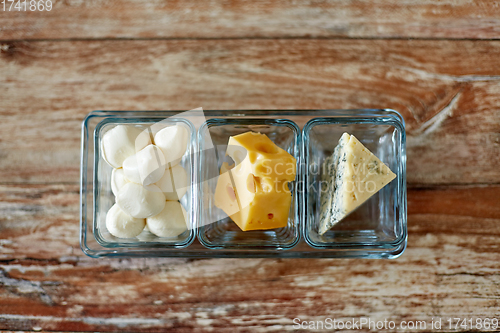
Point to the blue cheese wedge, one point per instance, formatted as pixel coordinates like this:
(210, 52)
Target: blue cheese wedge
(351, 175)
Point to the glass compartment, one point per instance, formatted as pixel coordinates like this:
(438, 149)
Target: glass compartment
(215, 229)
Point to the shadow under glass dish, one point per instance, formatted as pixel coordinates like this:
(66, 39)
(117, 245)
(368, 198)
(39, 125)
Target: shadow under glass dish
(379, 220)
(216, 230)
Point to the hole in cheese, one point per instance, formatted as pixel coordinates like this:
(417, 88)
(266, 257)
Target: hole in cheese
(266, 148)
(261, 169)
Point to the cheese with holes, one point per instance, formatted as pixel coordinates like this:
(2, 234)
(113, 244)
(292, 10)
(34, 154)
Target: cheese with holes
(254, 191)
(351, 175)
(121, 142)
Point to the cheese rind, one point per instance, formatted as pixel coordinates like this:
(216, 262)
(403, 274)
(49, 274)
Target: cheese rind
(254, 192)
(350, 177)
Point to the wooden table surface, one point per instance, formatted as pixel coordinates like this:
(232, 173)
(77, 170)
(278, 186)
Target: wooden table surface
(437, 62)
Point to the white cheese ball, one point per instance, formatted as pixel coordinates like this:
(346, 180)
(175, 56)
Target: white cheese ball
(173, 142)
(170, 222)
(174, 183)
(146, 167)
(121, 142)
(118, 180)
(122, 225)
(139, 201)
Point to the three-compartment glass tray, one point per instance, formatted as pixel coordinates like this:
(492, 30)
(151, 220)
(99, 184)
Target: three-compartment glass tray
(377, 229)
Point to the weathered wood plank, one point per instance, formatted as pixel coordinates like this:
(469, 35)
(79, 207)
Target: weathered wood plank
(450, 269)
(238, 18)
(449, 101)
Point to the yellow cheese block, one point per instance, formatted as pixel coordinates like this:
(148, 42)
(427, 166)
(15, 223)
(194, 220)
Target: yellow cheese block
(254, 191)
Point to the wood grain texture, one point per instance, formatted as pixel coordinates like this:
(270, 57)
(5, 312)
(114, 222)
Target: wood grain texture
(241, 19)
(447, 92)
(450, 269)
(57, 66)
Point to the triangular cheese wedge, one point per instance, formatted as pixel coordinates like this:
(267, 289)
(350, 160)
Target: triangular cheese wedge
(350, 177)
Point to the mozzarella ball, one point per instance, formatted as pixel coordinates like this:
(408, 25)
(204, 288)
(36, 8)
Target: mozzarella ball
(122, 225)
(146, 167)
(172, 141)
(118, 180)
(139, 201)
(170, 222)
(121, 142)
(174, 183)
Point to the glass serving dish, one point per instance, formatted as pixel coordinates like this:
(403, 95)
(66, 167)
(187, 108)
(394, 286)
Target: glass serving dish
(377, 229)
